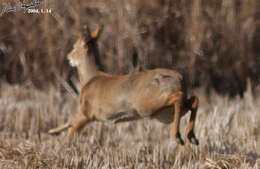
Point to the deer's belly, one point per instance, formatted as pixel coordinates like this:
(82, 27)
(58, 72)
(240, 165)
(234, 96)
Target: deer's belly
(164, 115)
(118, 116)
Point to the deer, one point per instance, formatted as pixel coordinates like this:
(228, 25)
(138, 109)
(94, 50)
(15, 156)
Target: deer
(159, 94)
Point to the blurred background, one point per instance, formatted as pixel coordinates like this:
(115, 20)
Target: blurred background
(216, 43)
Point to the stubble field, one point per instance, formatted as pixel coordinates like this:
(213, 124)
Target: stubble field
(228, 131)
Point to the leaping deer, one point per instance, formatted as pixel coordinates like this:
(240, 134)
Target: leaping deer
(157, 93)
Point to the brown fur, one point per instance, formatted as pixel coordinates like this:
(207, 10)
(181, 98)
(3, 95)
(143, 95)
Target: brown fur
(157, 93)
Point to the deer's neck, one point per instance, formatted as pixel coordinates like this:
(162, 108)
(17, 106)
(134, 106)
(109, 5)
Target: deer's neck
(87, 70)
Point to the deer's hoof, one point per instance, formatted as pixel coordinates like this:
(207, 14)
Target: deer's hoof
(180, 141)
(194, 141)
(192, 138)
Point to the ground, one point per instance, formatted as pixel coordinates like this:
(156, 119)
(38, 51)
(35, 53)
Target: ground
(228, 131)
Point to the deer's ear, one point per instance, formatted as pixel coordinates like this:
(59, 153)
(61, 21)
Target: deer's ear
(95, 33)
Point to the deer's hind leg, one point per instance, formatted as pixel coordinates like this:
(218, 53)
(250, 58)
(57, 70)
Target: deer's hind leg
(192, 105)
(176, 99)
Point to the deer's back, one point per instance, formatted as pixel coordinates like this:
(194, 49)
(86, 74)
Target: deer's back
(138, 94)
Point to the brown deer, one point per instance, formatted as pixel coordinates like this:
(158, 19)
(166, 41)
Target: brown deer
(157, 93)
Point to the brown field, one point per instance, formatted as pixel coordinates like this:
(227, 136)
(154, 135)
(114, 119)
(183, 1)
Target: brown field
(203, 37)
(228, 131)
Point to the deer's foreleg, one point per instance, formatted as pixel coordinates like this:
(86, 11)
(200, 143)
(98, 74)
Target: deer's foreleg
(59, 129)
(76, 123)
(193, 103)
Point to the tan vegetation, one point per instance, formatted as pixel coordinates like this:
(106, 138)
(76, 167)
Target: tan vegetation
(203, 37)
(228, 132)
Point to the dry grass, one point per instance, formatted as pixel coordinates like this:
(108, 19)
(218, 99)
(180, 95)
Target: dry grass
(203, 37)
(228, 131)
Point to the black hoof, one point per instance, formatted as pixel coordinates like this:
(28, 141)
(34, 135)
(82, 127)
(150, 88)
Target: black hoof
(192, 138)
(179, 139)
(194, 141)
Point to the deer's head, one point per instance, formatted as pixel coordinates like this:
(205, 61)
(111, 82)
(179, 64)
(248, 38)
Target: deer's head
(78, 53)
(80, 48)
